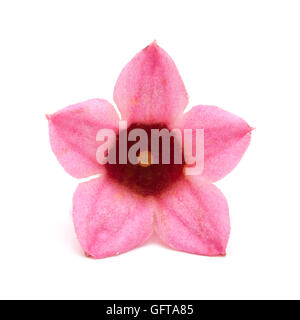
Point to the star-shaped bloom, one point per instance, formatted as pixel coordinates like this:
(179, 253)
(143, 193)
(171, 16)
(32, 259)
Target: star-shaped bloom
(120, 209)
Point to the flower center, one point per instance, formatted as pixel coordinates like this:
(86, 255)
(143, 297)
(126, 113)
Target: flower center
(145, 159)
(146, 177)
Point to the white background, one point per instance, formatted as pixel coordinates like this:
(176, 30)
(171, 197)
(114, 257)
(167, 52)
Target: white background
(242, 56)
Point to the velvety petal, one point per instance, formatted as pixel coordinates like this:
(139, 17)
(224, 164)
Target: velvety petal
(73, 133)
(193, 217)
(108, 219)
(150, 89)
(226, 138)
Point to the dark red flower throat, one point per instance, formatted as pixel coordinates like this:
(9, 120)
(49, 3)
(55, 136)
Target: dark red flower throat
(146, 179)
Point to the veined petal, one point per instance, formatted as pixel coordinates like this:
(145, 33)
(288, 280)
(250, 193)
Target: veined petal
(226, 138)
(109, 219)
(193, 217)
(73, 133)
(150, 89)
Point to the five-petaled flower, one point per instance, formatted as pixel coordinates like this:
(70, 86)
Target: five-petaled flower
(120, 209)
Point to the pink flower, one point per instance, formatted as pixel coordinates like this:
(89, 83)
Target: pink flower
(119, 210)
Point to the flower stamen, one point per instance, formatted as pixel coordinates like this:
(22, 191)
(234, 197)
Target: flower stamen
(145, 159)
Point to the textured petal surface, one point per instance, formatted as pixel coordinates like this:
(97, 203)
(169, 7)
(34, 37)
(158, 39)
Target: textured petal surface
(108, 219)
(150, 89)
(193, 217)
(226, 138)
(73, 133)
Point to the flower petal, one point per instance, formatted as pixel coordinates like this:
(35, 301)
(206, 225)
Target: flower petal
(193, 217)
(108, 219)
(73, 133)
(226, 138)
(150, 89)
